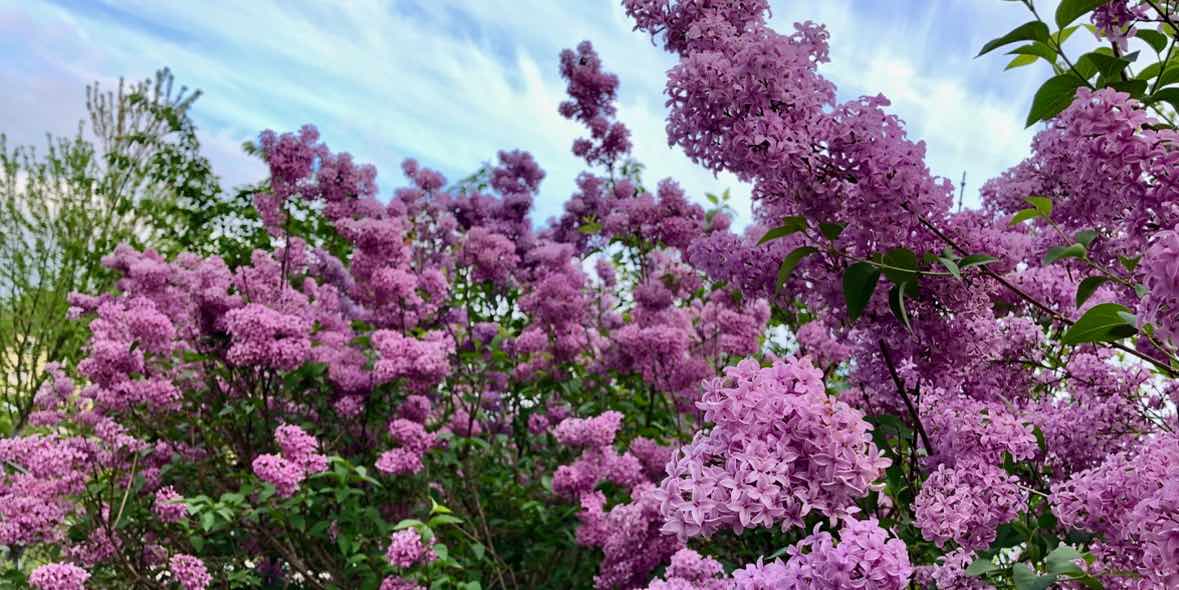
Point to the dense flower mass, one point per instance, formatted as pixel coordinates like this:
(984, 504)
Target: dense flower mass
(779, 448)
(59, 576)
(863, 388)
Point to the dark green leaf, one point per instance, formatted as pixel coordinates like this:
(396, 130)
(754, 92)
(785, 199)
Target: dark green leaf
(1129, 263)
(791, 262)
(1156, 40)
(900, 265)
(1070, 10)
(1057, 252)
(1102, 323)
(831, 231)
(859, 282)
(1107, 65)
(790, 225)
(1053, 97)
(1026, 579)
(896, 302)
(1087, 287)
(1169, 76)
(1029, 31)
(1168, 95)
(1135, 88)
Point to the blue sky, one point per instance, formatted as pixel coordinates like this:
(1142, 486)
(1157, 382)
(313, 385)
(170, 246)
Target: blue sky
(451, 82)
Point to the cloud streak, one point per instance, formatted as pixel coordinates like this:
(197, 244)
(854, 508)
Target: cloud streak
(451, 82)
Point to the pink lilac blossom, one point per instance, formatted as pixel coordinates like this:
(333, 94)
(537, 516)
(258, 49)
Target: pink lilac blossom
(283, 474)
(169, 505)
(190, 572)
(399, 583)
(300, 448)
(1160, 266)
(967, 503)
(865, 557)
(406, 549)
(1131, 500)
(778, 449)
(59, 576)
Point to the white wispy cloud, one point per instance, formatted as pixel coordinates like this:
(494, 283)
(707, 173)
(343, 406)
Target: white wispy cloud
(451, 82)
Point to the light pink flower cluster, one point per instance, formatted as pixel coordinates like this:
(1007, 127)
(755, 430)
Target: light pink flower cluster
(59, 576)
(778, 449)
(406, 549)
(414, 441)
(300, 457)
(169, 505)
(967, 503)
(190, 572)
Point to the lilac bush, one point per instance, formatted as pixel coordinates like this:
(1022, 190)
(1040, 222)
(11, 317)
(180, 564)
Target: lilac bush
(430, 390)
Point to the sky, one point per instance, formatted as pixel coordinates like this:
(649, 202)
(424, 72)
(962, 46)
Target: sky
(451, 82)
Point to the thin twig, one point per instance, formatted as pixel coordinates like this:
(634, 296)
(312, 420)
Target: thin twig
(896, 379)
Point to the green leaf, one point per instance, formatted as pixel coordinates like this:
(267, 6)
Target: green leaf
(790, 225)
(981, 566)
(1169, 76)
(1062, 35)
(1070, 10)
(896, 302)
(1029, 31)
(208, 519)
(951, 266)
(1086, 237)
(1053, 97)
(1107, 65)
(1020, 61)
(1168, 95)
(1156, 40)
(976, 260)
(1087, 287)
(1023, 215)
(831, 231)
(791, 262)
(1150, 71)
(590, 228)
(1041, 204)
(859, 282)
(442, 519)
(1104, 322)
(1062, 560)
(900, 265)
(478, 549)
(1057, 252)
(1135, 88)
(1129, 263)
(1036, 50)
(407, 523)
(1026, 579)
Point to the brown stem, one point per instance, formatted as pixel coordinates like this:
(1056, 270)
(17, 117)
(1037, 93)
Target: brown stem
(896, 379)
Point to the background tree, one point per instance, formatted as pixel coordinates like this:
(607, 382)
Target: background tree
(132, 173)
